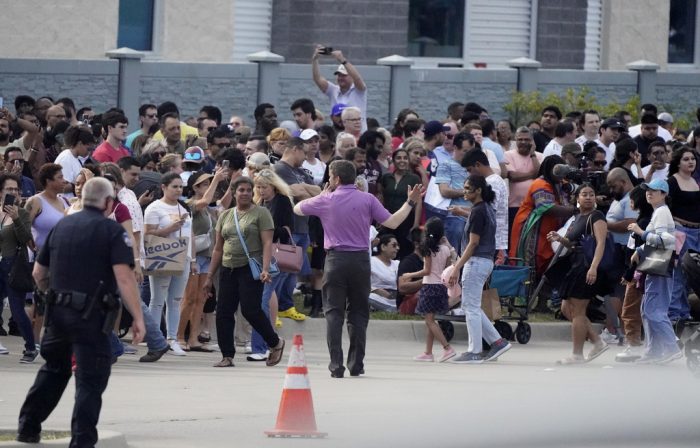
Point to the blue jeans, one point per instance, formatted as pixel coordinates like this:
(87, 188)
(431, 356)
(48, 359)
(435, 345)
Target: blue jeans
(154, 337)
(679, 308)
(257, 342)
(168, 289)
(285, 295)
(454, 230)
(474, 274)
(16, 300)
(660, 340)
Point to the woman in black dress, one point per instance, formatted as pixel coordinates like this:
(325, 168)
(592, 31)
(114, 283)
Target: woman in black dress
(580, 278)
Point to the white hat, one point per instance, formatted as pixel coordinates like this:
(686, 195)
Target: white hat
(665, 117)
(308, 134)
(341, 69)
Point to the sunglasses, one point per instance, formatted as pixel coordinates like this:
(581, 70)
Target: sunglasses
(193, 156)
(449, 136)
(152, 116)
(599, 163)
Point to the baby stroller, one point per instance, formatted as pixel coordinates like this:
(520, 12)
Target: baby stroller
(691, 268)
(513, 285)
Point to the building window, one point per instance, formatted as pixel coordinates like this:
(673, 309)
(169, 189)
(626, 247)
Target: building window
(436, 28)
(136, 24)
(681, 33)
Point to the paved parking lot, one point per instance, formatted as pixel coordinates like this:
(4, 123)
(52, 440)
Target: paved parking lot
(522, 400)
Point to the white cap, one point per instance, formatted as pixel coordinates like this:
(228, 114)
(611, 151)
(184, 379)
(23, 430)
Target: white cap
(665, 117)
(341, 69)
(308, 134)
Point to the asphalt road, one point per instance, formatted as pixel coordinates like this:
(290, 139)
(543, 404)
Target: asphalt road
(523, 400)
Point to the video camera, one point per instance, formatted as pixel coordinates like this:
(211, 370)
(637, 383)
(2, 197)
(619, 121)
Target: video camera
(576, 177)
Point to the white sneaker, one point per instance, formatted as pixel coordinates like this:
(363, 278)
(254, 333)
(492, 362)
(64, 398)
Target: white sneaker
(608, 337)
(176, 349)
(630, 354)
(248, 349)
(3, 350)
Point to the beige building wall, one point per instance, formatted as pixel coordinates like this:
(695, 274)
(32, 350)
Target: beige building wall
(633, 30)
(195, 30)
(184, 30)
(73, 29)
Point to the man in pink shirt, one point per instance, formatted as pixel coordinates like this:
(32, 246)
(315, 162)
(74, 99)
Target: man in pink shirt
(522, 167)
(113, 149)
(346, 214)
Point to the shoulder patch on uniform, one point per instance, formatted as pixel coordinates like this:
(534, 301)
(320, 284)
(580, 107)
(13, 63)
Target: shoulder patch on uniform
(127, 240)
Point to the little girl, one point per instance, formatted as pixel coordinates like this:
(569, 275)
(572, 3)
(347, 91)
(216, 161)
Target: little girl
(432, 298)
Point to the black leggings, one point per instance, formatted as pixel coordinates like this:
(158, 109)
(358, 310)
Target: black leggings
(237, 285)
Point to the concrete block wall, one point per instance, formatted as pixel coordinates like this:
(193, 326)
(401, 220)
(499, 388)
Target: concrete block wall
(234, 87)
(230, 87)
(370, 29)
(432, 90)
(88, 83)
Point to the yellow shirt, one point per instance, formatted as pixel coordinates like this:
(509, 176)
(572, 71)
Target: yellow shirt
(185, 130)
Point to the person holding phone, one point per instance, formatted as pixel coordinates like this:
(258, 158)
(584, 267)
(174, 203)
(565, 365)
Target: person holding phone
(15, 233)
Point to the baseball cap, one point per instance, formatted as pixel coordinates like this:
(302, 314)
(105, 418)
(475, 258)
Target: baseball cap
(258, 159)
(341, 69)
(657, 185)
(571, 148)
(197, 178)
(665, 117)
(612, 123)
(338, 109)
(194, 154)
(434, 127)
(308, 134)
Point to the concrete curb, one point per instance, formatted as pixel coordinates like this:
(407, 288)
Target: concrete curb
(107, 439)
(414, 330)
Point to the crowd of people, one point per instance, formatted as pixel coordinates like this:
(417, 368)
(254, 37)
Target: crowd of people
(580, 198)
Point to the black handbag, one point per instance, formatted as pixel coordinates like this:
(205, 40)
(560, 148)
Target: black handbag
(588, 242)
(20, 277)
(655, 260)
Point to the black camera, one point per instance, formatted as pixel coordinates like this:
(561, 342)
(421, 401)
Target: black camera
(326, 50)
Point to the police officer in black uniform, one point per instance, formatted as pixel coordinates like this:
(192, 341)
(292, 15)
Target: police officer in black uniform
(86, 257)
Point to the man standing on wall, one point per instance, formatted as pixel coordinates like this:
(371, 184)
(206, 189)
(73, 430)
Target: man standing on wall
(350, 88)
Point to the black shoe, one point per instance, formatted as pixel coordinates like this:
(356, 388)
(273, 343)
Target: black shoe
(338, 373)
(29, 438)
(357, 373)
(155, 355)
(2, 331)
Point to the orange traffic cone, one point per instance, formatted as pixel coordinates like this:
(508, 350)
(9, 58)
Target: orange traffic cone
(296, 414)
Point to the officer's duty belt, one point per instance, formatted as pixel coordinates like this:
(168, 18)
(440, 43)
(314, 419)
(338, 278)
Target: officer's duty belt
(74, 300)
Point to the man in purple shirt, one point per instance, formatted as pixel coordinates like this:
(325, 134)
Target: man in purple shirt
(347, 214)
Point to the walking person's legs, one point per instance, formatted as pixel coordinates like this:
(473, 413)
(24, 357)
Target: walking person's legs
(335, 289)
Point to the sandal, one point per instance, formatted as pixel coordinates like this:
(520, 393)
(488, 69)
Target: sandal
(204, 337)
(597, 351)
(573, 359)
(278, 323)
(225, 362)
(275, 354)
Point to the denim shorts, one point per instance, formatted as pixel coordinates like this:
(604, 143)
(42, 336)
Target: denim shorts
(203, 264)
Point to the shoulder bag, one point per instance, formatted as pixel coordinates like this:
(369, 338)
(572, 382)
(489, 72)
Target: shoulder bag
(655, 260)
(289, 256)
(255, 265)
(20, 277)
(166, 256)
(203, 242)
(588, 242)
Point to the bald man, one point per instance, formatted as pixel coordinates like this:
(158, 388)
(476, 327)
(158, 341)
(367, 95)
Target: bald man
(54, 114)
(619, 216)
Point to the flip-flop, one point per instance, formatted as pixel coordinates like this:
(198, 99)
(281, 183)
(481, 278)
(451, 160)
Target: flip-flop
(200, 348)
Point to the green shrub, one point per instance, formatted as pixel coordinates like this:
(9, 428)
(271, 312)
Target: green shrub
(527, 106)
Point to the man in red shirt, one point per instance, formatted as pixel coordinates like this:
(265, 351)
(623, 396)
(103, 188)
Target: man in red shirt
(113, 149)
